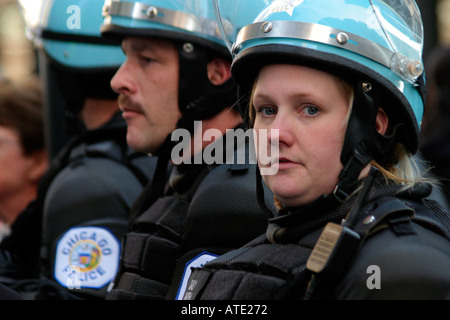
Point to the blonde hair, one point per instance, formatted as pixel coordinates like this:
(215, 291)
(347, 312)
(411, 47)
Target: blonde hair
(407, 170)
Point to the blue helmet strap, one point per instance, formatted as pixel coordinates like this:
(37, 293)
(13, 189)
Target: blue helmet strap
(362, 142)
(199, 99)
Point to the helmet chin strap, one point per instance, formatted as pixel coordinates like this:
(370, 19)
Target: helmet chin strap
(362, 141)
(200, 99)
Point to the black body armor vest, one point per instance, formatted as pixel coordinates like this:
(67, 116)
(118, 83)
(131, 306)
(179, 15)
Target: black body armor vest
(400, 228)
(207, 211)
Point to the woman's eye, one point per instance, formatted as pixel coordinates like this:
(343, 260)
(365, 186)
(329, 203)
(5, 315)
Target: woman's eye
(267, 111)
(311, 110)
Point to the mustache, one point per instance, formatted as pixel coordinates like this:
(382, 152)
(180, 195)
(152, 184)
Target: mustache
(125, 103)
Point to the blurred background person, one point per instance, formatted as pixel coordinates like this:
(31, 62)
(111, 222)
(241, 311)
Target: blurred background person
(23, 163)
(23, 157)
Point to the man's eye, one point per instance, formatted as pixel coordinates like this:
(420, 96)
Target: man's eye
(146, 59)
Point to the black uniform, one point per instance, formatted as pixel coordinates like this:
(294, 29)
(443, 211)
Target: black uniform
(403, 252)
(206, 211)
(83, 206)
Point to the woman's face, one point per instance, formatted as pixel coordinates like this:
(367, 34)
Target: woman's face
(309, 108)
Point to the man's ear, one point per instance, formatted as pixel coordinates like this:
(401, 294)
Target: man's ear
(38, 164)
(218, 71)
(381, 122)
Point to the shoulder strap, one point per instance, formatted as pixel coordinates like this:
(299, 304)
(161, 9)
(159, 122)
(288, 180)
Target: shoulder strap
(341, 243)
(391, 212)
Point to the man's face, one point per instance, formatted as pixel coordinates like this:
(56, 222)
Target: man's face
(147, 84)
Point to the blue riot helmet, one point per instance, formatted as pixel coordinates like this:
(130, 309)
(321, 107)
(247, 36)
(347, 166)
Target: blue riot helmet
(192, 25)
(375, 44)
(74, 62)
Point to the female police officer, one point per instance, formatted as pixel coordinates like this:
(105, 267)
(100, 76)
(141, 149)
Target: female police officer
(342, 84)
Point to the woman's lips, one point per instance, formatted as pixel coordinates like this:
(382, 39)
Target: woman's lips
(284, 163)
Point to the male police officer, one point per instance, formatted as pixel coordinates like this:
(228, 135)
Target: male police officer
(176, 78)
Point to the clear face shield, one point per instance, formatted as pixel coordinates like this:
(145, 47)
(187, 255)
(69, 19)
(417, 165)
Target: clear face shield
(389, 32)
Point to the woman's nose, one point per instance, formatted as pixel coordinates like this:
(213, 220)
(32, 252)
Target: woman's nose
(281, 131)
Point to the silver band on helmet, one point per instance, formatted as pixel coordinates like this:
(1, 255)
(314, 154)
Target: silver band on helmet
(407, 68)
(177, 19)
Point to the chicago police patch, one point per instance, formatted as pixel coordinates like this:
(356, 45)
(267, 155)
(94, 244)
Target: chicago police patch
(197, 262)
(86, 257)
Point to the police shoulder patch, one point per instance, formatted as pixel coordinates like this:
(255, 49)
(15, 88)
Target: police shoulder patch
(86, 257)
(197, 262)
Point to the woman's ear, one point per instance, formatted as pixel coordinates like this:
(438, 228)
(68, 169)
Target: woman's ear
(218, 71)
(381, 122)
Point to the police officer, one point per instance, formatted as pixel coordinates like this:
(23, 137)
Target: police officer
(342, 85)
(94, 178)
(174, 86)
